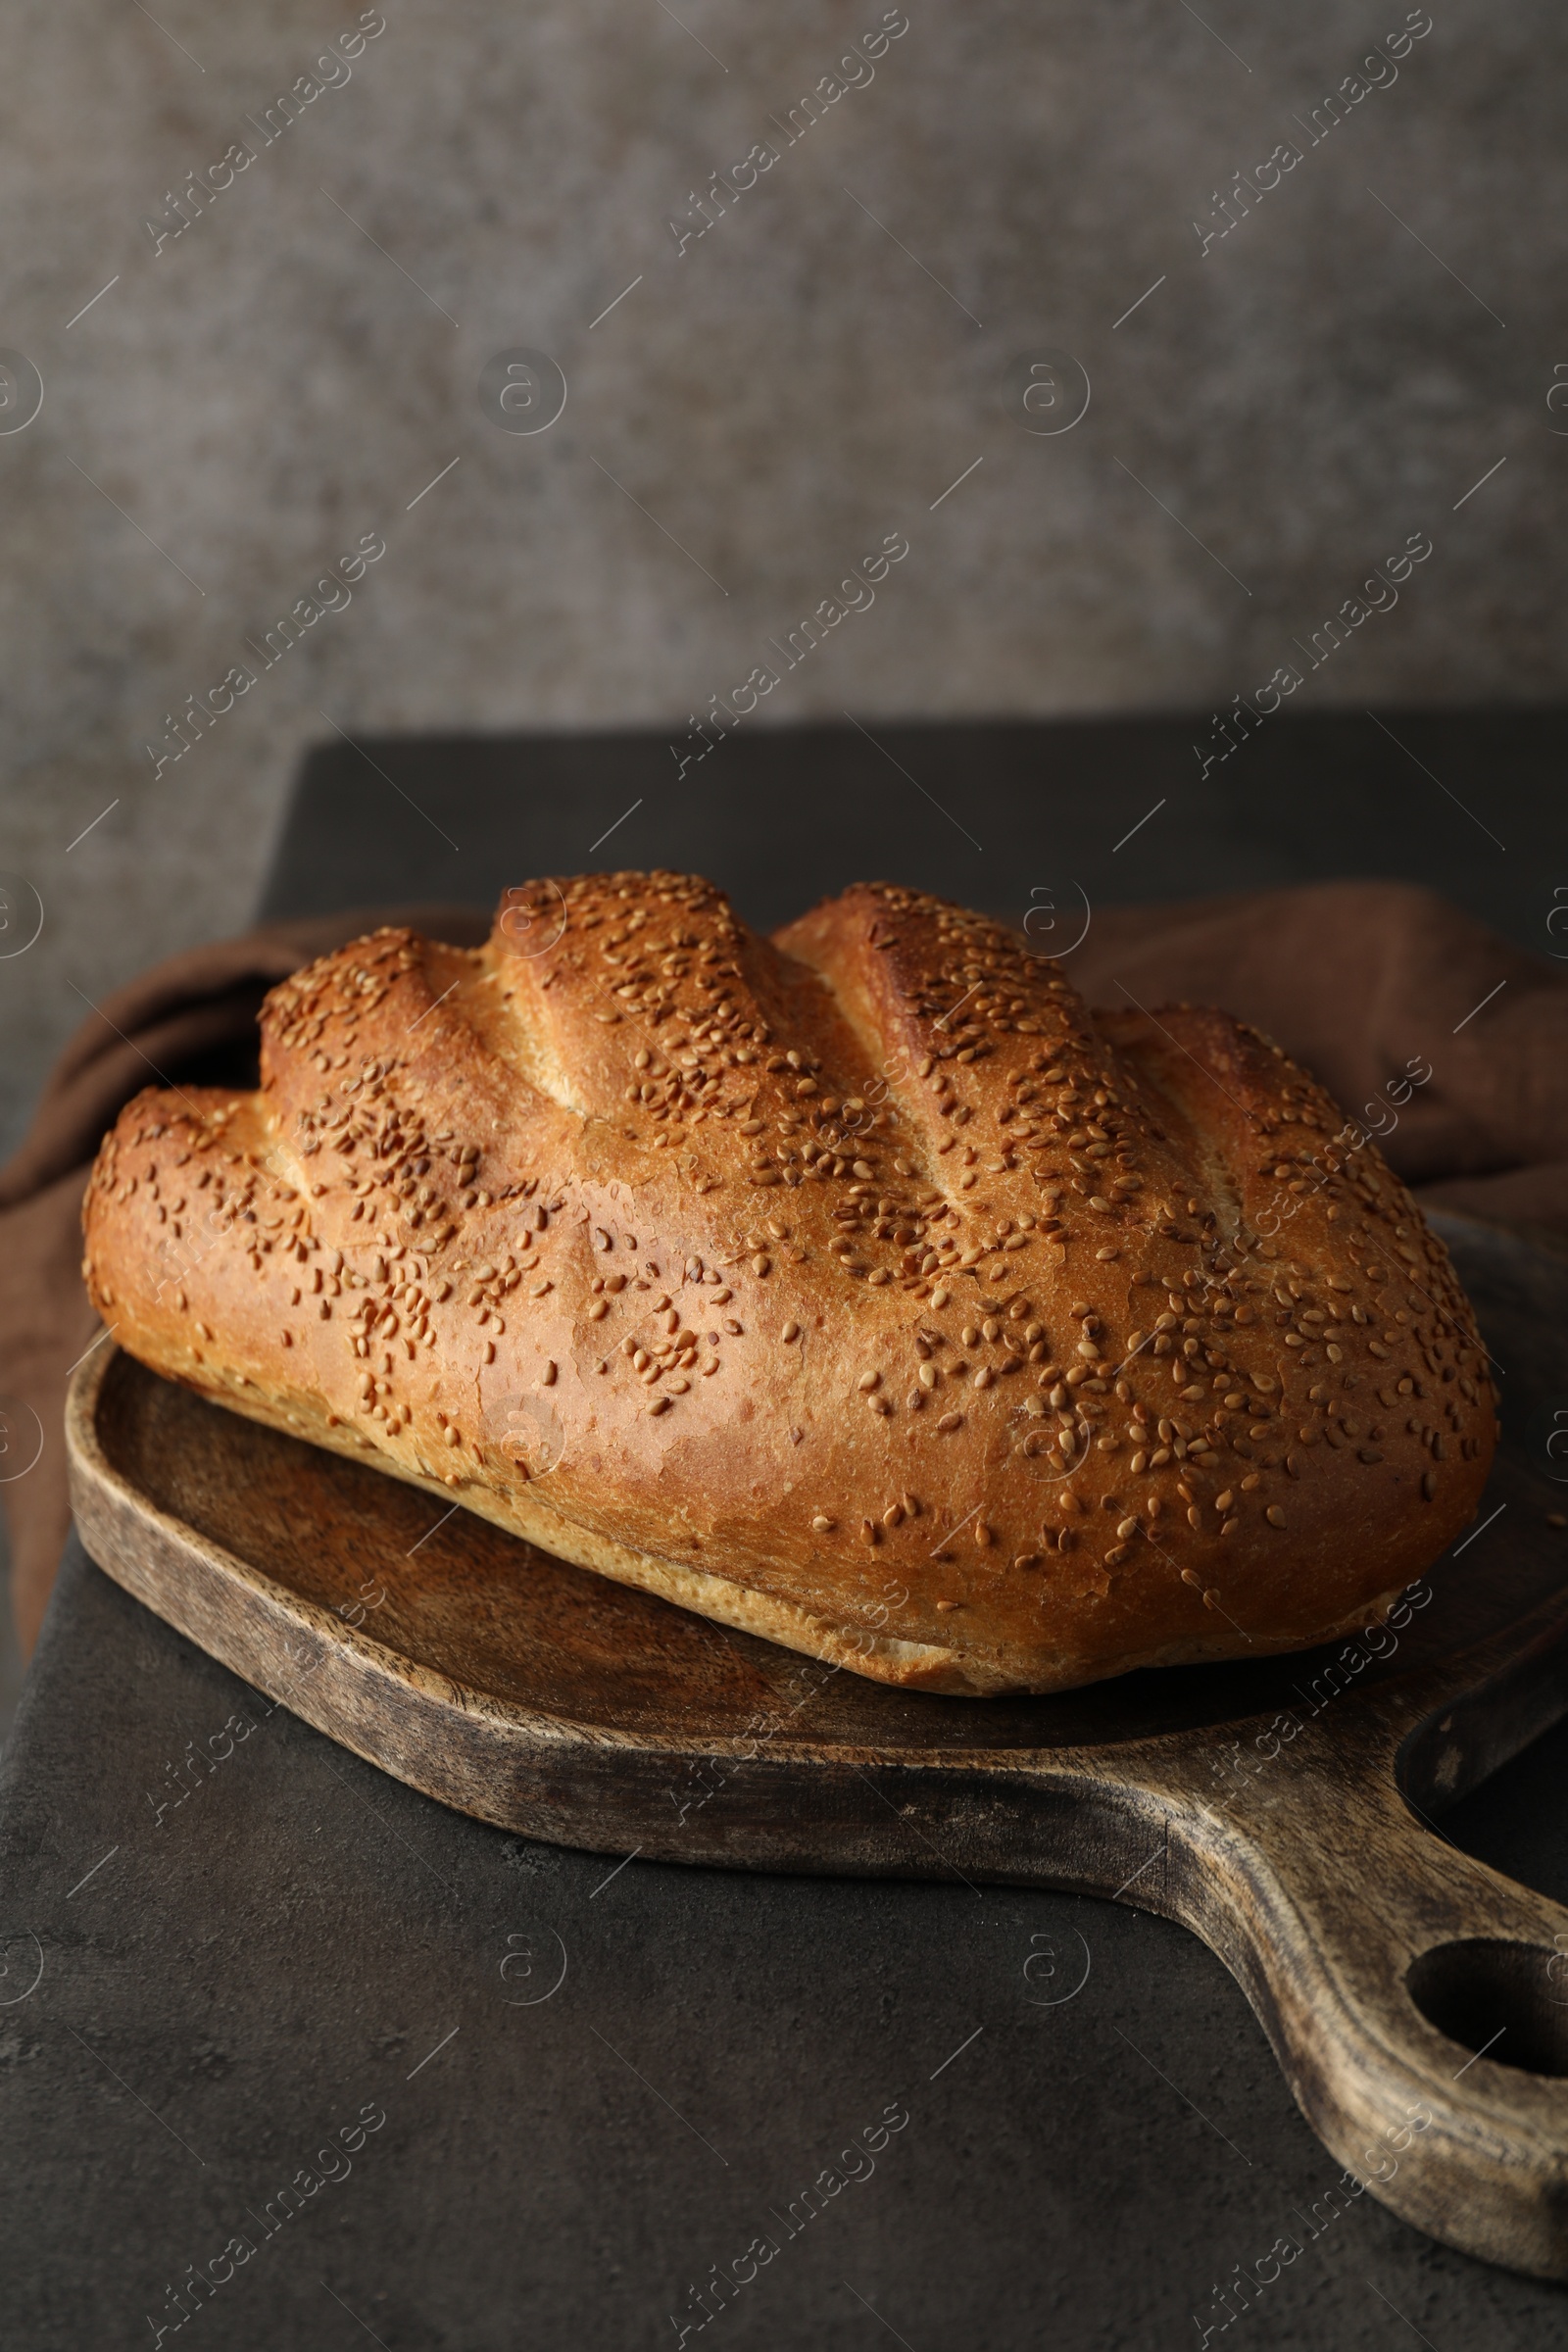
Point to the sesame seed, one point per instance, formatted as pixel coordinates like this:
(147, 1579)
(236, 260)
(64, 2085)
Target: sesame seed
(658, 1404)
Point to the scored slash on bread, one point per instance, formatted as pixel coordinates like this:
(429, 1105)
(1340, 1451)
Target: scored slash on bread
(857, 1286)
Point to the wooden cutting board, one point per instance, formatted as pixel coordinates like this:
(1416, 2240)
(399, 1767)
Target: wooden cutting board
(1279, 1810)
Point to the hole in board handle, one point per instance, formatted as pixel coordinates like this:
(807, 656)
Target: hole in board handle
(1505, 2000)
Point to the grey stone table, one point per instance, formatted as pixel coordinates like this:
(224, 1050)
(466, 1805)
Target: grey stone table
(381, 2073)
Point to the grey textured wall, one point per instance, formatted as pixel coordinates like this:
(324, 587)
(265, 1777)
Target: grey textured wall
(771, 398)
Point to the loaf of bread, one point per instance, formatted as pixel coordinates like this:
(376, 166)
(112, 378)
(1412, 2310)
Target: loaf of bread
(855, 1287)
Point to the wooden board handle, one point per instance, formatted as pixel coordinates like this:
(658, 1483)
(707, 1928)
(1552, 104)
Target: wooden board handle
(1416, 1999)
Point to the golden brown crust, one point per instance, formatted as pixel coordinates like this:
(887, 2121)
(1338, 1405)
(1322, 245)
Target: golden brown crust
(858, 1286)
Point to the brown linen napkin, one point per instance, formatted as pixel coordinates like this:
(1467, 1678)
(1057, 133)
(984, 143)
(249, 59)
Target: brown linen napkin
(1364, 983)
(1367, 983)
